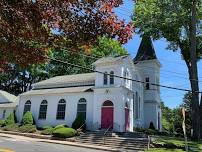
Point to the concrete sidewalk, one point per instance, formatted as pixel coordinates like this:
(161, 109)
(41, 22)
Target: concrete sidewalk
(58, 142)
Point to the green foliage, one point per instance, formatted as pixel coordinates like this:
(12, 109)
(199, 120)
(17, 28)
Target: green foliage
(27, 119)
(78, 122)
(108, 47)
(10, 119)
(2, 123)
(64, 132)
(11, 127)
(60, 126)
(104, 47)
(167, 118)
(170, 20)
(48, 131)
(46, 127)
(27, 128)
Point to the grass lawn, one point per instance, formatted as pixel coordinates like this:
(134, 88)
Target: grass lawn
(164, 150)
(170, 142)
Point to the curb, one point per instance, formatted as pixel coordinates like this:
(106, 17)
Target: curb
(49, 139)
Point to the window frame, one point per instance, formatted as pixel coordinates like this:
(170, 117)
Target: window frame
(105, 78)
(81, 102)
(147, 83)
(60, 115)
(111, 78)
(27, 106)
(4, 114)
(42, 112)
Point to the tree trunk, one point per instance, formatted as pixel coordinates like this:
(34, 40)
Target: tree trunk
(194, 75)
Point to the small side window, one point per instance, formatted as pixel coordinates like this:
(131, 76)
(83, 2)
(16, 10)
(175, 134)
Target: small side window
(105, 78)
(112, 77)
(147, 86)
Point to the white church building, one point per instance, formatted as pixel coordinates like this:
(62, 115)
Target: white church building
(104, 99)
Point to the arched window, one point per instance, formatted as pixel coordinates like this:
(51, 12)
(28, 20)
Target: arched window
(81, 107)
(61, 110)
(112, 77)
(105, 78)
(4, 114)
(43, 109)
(27, 106)
(108, 104)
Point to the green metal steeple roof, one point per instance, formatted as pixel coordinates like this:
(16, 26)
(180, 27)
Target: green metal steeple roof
(146, 50)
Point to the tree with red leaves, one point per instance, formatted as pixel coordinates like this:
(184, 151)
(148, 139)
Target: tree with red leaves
(28, 28)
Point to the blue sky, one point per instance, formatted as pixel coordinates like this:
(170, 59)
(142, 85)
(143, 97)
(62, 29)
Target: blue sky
(173, 71)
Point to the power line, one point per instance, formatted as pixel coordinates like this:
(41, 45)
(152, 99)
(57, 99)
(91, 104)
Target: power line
(154, 84)
(151, 69)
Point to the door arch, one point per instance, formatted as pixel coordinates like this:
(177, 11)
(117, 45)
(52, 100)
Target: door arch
(107, 115)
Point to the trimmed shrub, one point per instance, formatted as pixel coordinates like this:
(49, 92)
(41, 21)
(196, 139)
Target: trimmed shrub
(27, 119)
(78, 122)
(48, 131)
(12, 127)
(46, 127)
(61, 126)
(2, 123)
(27, 128)
(10, 119)
(64, 132)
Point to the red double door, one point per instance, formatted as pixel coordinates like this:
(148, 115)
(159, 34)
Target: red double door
(107, 117)
(127, 122)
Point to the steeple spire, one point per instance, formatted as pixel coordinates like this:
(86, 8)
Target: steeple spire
(146, 50)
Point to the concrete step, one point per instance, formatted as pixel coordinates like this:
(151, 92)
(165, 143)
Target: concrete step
(124, 141)
(114, 139)
(110, 142)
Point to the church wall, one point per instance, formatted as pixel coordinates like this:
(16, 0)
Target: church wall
(115, 95)
(151, 114)
(71, 107)
(8, 112)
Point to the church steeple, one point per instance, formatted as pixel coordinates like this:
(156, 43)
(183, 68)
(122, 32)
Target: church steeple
(146, 50)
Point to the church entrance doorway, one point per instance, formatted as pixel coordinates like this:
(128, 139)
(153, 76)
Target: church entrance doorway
(107, 115)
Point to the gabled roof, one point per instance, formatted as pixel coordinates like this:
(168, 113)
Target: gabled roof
(64, 80)
(58, 90)
(146, 50)
(6, 97)
(109, 59)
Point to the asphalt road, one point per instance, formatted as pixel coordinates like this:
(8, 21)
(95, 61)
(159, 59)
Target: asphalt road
(20, 145)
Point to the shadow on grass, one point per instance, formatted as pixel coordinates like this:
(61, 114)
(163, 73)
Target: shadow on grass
(176, 143)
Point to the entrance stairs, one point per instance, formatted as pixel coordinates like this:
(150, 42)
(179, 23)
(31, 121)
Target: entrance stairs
(129, 141)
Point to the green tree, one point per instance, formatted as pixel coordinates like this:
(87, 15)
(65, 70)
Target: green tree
(179, 21)
(104, 47)
(186, 103)
(167, 118)
(16, 80)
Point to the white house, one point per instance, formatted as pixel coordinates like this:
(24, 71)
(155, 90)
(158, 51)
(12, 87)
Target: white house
(8, 104)
(104, 99)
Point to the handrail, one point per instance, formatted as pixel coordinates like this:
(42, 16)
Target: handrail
(81, 126)
(106, 133)
(149, 141)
